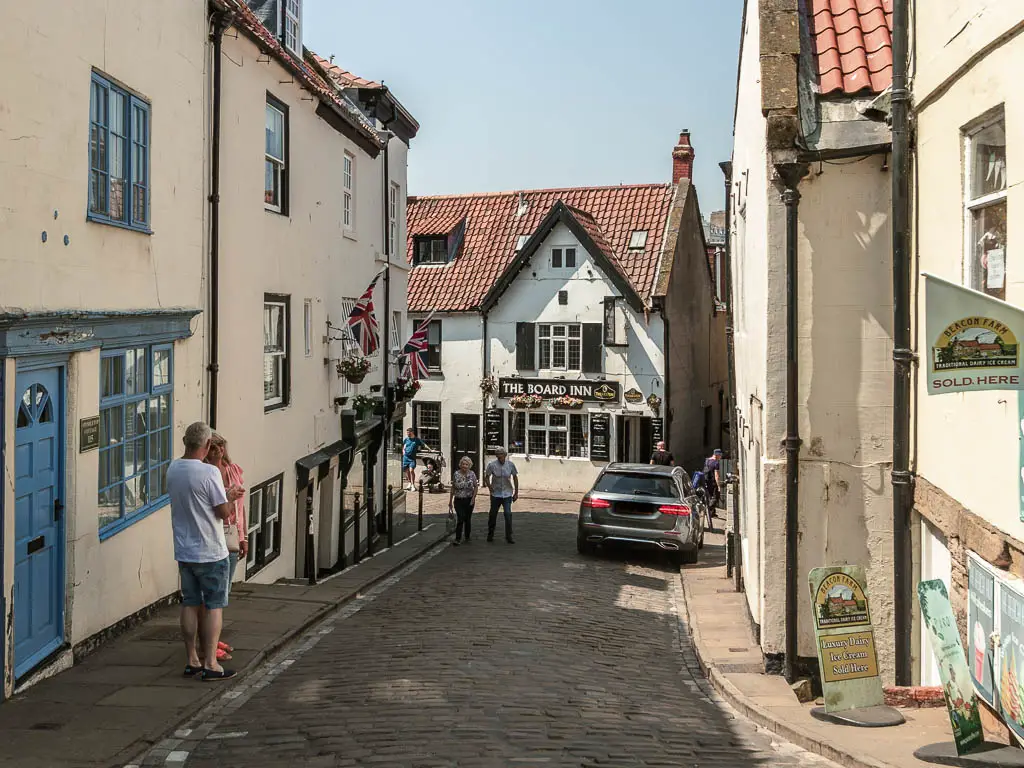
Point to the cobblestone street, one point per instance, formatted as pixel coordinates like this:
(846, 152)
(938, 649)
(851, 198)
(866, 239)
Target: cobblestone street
(490, 655)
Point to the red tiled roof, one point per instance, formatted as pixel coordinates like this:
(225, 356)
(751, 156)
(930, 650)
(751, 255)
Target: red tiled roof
(343, 77)
(853, 45)
(609, 214)
(310, 79)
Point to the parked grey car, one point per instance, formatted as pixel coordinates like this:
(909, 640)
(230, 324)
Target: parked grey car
(643, 504)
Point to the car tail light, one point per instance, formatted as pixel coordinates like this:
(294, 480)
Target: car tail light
(680, 510)
(592, 503)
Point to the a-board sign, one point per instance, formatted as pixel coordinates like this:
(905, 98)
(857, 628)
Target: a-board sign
(494, 428)
(961, 701)
(600, 437)
(845, 638)
(657, 431)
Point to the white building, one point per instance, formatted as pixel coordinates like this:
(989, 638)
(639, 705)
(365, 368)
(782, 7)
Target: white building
(567, 292)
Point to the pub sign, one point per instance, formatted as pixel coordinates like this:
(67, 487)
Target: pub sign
(549, 389)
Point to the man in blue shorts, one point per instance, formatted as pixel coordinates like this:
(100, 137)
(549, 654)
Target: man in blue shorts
(410, 447)
(199, 507)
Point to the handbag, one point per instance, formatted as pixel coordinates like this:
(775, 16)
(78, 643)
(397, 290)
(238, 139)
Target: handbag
(231, 537)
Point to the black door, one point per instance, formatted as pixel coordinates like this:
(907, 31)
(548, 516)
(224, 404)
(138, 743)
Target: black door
(465, 440)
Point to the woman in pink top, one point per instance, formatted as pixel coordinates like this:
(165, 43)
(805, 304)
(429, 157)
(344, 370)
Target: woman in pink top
(231, 473)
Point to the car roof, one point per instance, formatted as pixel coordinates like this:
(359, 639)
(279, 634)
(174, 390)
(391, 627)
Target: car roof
(646, 469)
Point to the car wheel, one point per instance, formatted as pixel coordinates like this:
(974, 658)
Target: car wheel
(686, 557)
(583, 546)
(700, 541)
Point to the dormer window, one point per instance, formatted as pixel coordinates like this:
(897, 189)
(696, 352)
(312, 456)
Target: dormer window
(293, 26)
(431, 250)
(521, 241)
(638, 240)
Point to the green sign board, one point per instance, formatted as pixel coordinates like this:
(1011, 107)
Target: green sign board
(845, 638)
(961, 700)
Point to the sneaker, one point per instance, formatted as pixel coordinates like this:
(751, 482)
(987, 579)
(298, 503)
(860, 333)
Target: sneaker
(456, 543)
(490, 537)
(510, 540)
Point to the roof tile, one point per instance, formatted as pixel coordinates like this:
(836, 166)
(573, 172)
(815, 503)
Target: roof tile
(853, 45)
(494, 222)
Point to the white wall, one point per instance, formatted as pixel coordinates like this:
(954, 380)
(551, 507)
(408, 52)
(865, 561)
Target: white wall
(750, 299)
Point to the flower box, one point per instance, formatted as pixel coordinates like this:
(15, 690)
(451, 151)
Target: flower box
(525, 401)
(567, 403)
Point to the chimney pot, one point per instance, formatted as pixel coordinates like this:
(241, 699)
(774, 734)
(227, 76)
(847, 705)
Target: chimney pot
(682, 158)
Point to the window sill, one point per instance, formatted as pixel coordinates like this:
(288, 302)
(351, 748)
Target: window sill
(349, 234)
(119, 224)
(249, 574)
(275, 407)
(272, 209)
(431, 264)
(126, 522)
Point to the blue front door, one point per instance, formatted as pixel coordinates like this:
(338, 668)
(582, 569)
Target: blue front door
(38, 524)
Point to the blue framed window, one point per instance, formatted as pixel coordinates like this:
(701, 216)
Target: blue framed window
(119, 133)
(136, 395)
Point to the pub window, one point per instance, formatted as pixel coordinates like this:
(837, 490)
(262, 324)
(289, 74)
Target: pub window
(560, 347)
(985, 207)
(426, 418)
(538, 433)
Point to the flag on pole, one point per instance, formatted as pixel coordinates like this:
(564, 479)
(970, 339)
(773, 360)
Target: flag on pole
(362, 321)
(415, 352)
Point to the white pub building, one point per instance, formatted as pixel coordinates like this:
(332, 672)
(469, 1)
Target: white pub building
(574, 326)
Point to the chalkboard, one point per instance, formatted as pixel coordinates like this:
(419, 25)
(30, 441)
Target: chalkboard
(494, 429)
(600, 431)
(657, 431)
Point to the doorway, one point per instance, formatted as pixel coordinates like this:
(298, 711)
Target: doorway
(465, 440)
(635, 435)
(39, 518)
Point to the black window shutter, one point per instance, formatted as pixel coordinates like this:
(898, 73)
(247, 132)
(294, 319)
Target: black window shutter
(593, 350)
(525, 356)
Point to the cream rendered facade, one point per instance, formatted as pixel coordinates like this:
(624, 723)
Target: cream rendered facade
(74, 290)
(309, 256)
(843, 352)
(964, 78)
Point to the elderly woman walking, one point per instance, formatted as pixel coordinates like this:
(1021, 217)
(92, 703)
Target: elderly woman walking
(463, 497)
(234, 527)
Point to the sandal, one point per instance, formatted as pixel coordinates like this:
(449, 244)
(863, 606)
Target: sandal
(223, 655)
(224, 646)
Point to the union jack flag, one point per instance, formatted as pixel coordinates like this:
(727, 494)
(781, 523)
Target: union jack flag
(362, 321)
(415, 352)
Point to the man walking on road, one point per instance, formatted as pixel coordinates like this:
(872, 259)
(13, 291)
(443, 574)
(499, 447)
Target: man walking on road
(199, 507)
(712, 479)
(662, 457)
(502, 480)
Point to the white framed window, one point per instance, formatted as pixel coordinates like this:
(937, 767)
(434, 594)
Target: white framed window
(521, 241)
(263, 526)
(985, 207)
(638, 240)
(720, 273)
(559, 346)
(276, 178)
(393, 197)
(563, 258)
(348, 198)
(307, 326)
(544, 433)
(426, 419)
(293, 26)
(275, 351)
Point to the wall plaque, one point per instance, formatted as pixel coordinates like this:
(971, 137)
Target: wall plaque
(88, 434)
(633, 395)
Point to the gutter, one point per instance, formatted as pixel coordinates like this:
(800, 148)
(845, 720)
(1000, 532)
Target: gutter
(790, 175)
(220, 21)
(902, 354)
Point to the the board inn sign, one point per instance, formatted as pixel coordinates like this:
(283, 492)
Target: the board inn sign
(549, 389)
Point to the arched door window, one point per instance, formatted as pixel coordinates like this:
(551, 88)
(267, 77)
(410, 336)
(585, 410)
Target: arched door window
(35, 407)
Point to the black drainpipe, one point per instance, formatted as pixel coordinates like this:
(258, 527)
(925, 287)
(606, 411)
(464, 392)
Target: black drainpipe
(486, 359)
(791, 173)
(736, 561)
(220, 22)
(902, 354)
(385, 341)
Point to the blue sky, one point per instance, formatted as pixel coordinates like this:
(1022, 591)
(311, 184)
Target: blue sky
(522, 94)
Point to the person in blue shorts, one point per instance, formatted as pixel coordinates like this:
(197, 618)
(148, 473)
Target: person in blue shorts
(410, 447)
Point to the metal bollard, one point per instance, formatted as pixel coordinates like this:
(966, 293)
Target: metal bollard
(419, 514)
(355, 506)
(391, 516)
(342, 559)
(371, 528)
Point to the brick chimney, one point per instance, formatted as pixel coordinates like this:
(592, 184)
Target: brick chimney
(682, 158)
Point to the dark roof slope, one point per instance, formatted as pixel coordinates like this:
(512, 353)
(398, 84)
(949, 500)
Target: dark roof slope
(494, 222)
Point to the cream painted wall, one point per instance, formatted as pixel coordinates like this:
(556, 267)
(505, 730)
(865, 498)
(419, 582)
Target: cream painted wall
(845, 346)
(44, 151)
(305, 255)
(954, 429)
(749, 245)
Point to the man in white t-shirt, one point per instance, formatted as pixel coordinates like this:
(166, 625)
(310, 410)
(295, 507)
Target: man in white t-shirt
(199, 506)
(502, 480)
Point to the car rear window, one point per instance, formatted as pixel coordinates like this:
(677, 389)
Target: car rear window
(636, 483)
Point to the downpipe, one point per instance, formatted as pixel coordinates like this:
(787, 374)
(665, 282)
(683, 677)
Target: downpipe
(220, 22)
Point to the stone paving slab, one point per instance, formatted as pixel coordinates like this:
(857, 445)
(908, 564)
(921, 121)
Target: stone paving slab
(126, 696)
(717, 622)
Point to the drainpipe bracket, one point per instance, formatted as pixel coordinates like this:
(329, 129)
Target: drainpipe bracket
(902, 477)
(793, 443)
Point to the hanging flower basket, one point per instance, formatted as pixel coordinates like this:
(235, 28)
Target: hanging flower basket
(525, 401)
(354, 369)
(363, 405)
(488, 385)
(654, 403)
(566, 403)
(406, 389)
